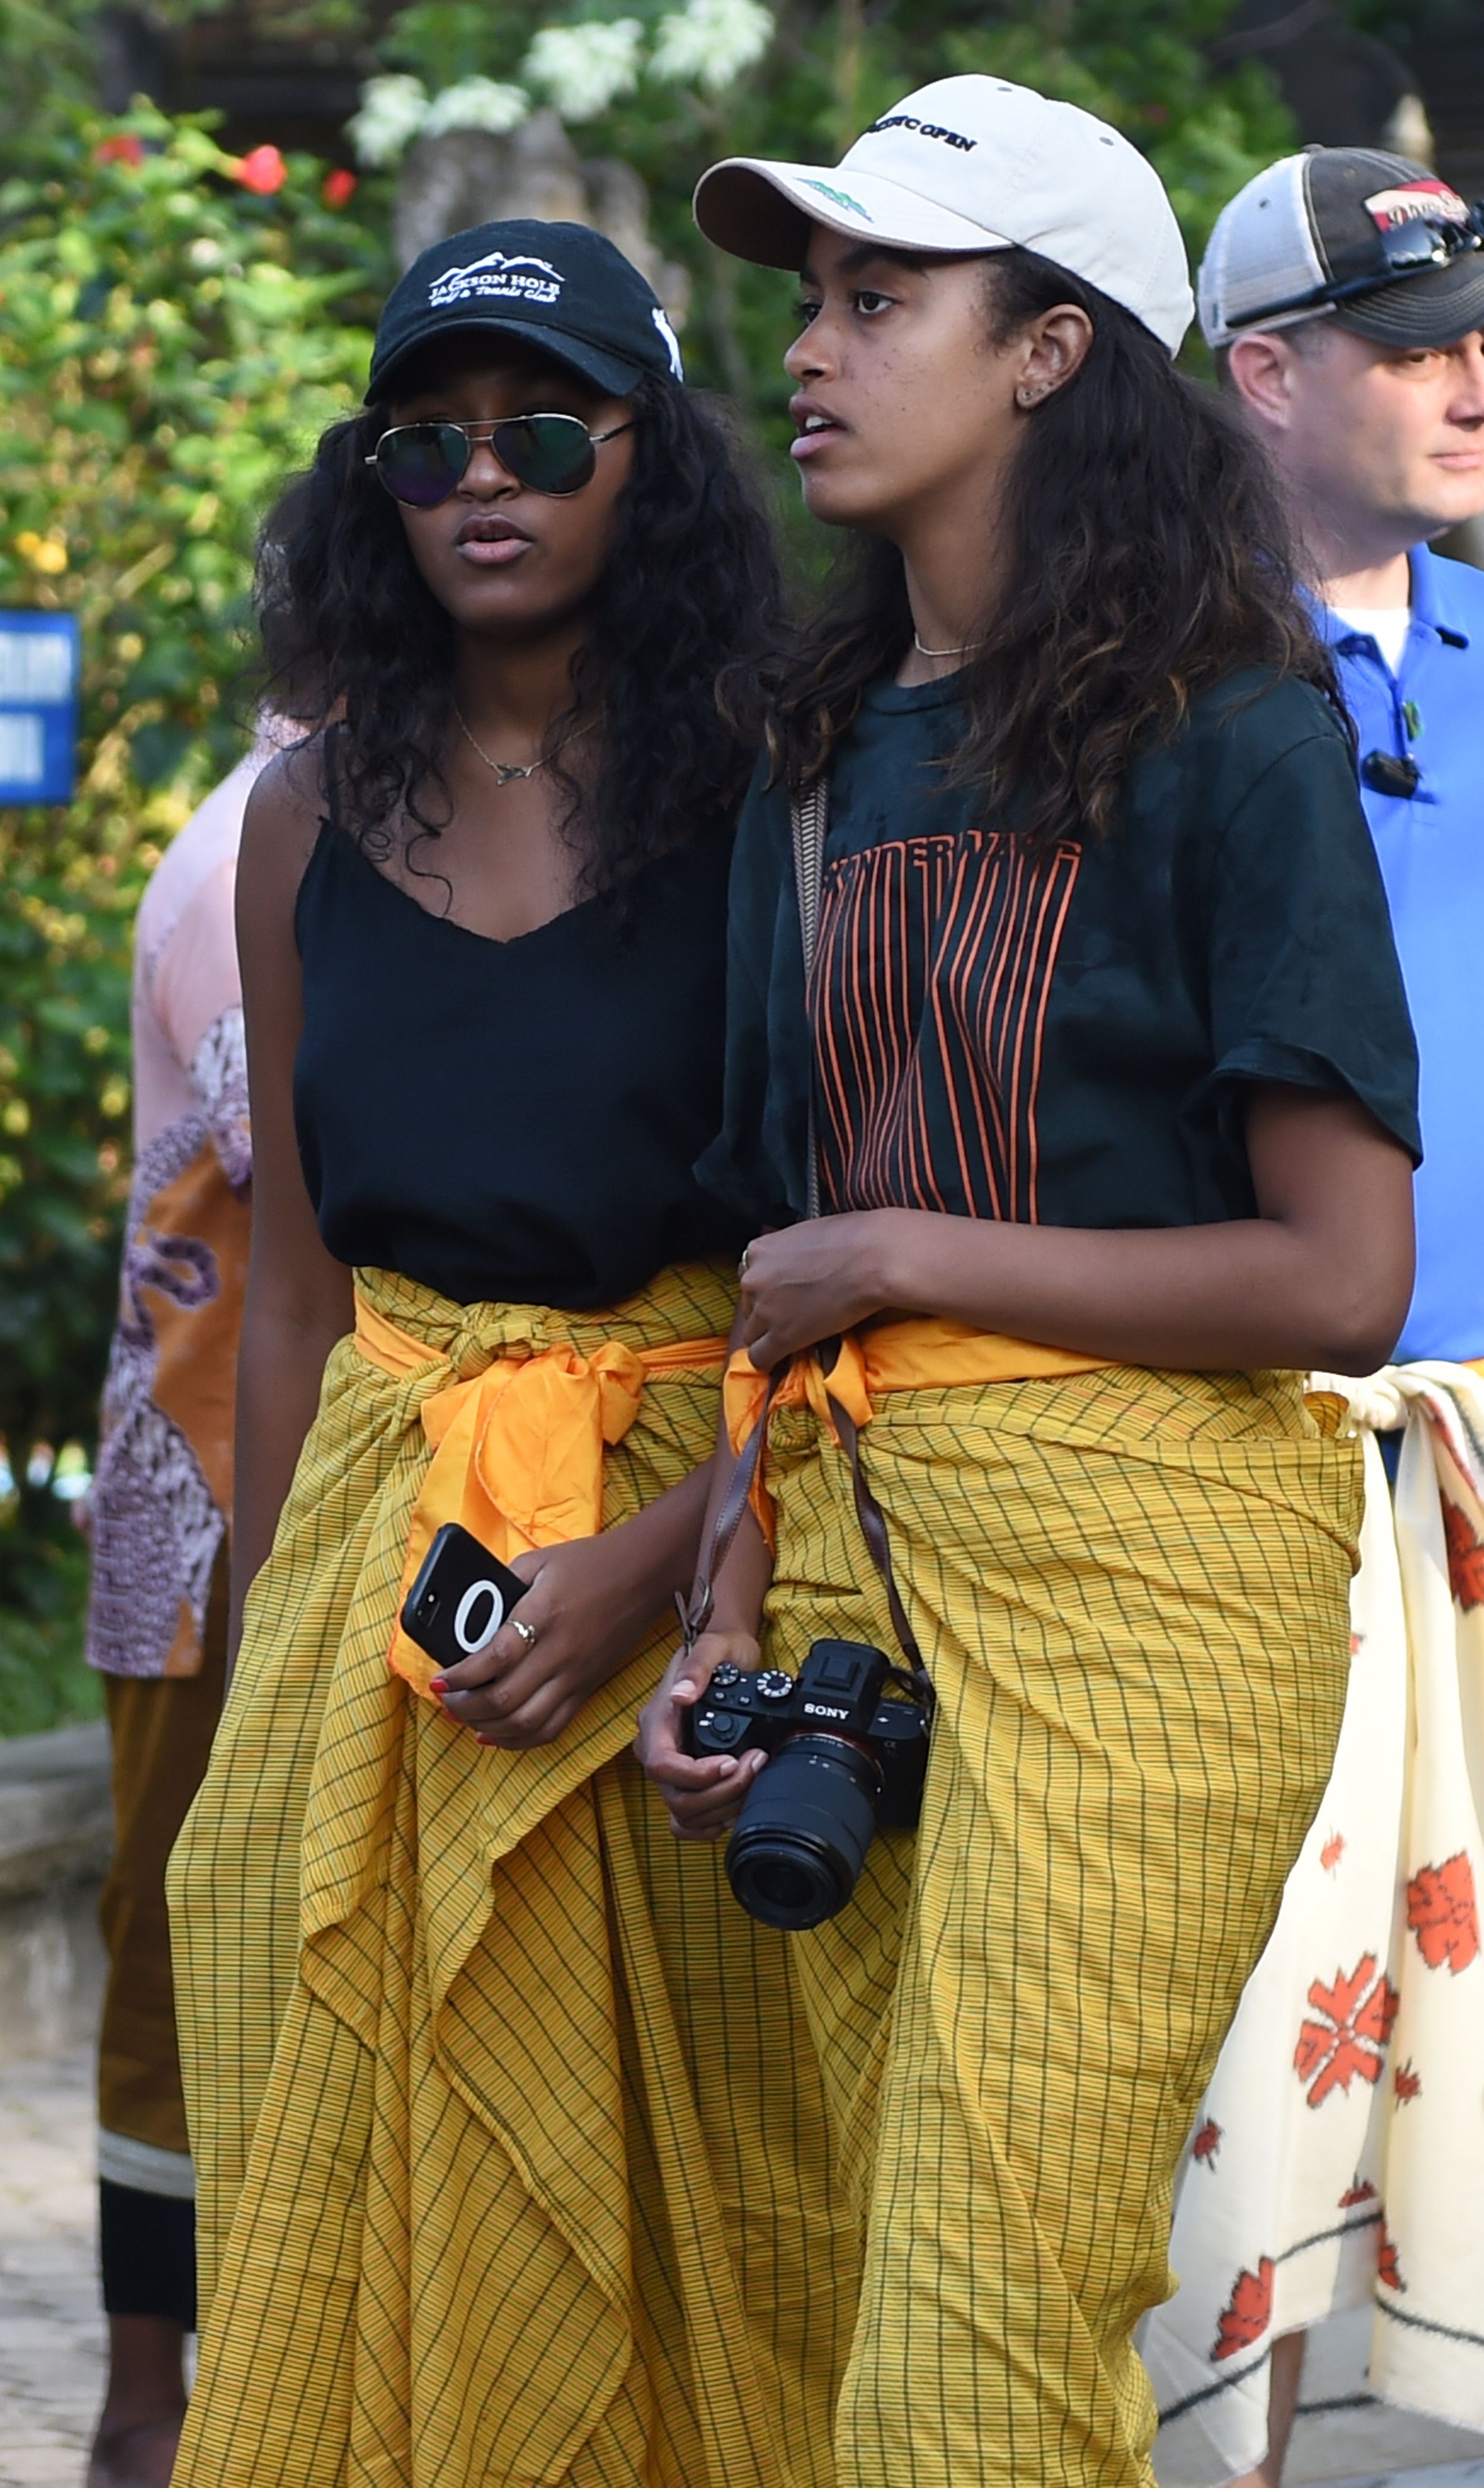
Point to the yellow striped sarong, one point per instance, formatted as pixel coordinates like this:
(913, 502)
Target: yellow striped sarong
(541, 2187)
(1131, 1590)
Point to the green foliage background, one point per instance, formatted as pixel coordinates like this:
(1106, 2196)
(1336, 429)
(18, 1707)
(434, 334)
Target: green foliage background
(170, 347)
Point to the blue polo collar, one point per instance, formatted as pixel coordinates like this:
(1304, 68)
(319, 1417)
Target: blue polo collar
(1432, 608)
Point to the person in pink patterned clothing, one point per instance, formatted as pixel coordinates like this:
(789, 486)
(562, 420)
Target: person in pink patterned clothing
(159, 1512)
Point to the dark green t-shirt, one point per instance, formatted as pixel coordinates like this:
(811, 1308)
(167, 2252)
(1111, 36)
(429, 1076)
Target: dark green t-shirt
(1062, 1036)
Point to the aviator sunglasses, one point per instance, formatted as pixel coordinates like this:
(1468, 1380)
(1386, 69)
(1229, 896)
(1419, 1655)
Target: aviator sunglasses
(1408, 249)
(422, 464)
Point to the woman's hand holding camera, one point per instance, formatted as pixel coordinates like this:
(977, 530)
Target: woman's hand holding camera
(703, 1795)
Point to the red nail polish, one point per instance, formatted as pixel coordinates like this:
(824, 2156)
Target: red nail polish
(438, 1685)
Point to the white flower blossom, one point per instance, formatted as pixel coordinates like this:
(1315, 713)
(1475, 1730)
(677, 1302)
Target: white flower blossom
(477, 103)
(709, 42)
(584, 69)
(393, 110)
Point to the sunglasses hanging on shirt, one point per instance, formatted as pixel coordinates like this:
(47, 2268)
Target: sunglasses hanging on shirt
(422, 464)
(1406, 249)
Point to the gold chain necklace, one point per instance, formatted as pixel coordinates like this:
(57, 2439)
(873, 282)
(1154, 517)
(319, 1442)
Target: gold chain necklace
(969, 646)
(507, 770)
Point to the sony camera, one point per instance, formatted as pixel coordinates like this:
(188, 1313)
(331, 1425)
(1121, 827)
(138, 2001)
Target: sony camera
(843, 1760)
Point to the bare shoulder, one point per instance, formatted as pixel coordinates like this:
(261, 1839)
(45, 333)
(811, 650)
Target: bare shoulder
(279, 829)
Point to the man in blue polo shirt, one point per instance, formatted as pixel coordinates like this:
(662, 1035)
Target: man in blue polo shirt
(1367, 384)
(1343, 293)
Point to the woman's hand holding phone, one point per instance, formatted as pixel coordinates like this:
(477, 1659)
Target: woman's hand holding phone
(590, 1603)
(582, 1607)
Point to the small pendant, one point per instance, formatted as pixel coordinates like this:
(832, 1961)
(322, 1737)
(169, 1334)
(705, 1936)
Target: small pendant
(506, 769)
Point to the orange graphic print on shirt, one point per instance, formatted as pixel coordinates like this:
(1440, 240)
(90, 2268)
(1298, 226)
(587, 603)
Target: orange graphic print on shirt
(928, 997)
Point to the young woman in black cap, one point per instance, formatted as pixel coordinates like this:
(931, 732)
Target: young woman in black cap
(482, 2079)
(1100, 1051)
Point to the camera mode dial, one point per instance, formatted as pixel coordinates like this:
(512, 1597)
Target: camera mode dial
(774, 1686)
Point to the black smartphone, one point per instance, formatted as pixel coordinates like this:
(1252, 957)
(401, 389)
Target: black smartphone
(461, 1597)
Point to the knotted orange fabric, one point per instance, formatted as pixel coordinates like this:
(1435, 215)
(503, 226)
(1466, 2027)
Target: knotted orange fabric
(914, 1355)
(517, 1450)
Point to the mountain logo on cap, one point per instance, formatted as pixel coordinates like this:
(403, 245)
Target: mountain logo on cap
(839, 198)
(1389, 209)
(496, 277)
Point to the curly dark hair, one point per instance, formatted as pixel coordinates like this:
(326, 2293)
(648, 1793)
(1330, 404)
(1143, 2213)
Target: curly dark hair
(1148, 557)
(680, 630)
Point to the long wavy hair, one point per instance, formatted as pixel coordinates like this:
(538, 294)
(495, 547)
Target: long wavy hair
(1146, 558)
(680, 625)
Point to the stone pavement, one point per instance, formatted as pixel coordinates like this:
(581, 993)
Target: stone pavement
(51, 2329)
(51, 2332)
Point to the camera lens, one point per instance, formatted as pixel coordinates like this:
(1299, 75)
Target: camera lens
(803, 1831)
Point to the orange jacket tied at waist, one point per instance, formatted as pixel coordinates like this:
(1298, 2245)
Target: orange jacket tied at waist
(924, 1354)
(518, 1449)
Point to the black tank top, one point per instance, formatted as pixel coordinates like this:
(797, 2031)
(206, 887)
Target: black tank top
(513, 1121)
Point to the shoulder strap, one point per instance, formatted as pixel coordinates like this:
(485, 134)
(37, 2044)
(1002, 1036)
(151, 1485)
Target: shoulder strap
(809, 809)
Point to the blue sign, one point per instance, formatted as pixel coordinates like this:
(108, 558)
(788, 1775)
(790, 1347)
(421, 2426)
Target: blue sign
(40, 663)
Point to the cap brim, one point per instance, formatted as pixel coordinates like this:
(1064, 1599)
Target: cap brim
(764, 212)
(608, 372)
(1434, 309)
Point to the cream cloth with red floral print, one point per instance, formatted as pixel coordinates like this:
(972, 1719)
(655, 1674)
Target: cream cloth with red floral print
(1338, 2156)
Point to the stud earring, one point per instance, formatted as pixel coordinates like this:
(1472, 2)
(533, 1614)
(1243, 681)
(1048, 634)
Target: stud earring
(1029, 397)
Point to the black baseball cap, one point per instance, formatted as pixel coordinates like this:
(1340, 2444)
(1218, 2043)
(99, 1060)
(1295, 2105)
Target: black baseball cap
(1375, 242)
(561, 287)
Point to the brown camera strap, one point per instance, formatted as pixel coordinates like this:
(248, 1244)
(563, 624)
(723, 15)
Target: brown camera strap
(809, 810)
(697, 1614)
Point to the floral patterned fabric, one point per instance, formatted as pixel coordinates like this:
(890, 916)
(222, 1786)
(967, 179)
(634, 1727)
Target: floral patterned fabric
(1338, 2156)
(163, 1488)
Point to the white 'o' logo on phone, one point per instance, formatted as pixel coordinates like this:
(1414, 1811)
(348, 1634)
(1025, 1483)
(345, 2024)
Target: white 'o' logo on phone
(470, 1640)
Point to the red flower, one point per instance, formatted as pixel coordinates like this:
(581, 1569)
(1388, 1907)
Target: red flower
(1443, 1913)
(1208, 2141)
(1388, 2269)
(1407, 2081)
(1333, 1851)
(1362, 2192)
(1358, 2013)
(1244, 2317)
(125, 149)
(1465, 1557)
(263, 171)
(338, 189)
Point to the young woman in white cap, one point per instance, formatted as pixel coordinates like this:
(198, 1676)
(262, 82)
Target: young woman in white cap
(481, 2087)
(1100, 1056)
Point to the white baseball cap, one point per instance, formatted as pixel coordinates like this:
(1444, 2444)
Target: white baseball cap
(973, 165)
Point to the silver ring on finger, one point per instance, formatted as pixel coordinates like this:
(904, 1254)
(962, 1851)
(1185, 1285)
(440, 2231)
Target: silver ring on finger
(527, 1632)
(742, 1266)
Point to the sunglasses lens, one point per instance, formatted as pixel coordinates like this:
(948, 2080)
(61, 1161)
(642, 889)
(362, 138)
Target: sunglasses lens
(421, 464)
(551, 453)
